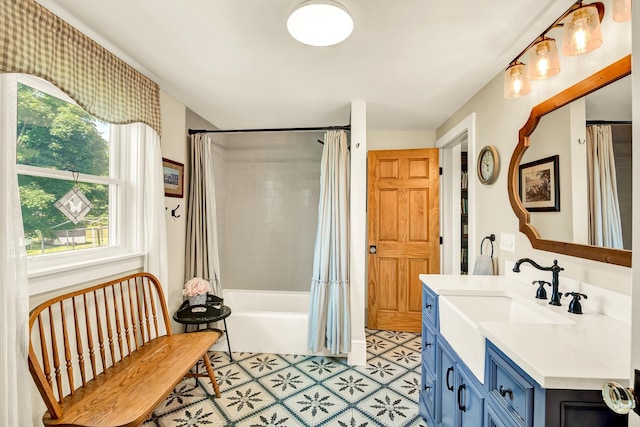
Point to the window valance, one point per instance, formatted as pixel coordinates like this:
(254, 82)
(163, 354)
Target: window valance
(35, 41)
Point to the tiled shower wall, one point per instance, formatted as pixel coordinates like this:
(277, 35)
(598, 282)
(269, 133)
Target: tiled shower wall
(269, 196)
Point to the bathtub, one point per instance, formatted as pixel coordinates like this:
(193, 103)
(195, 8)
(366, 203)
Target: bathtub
(266, 322)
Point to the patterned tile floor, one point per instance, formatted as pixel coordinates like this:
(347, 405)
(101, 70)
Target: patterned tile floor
(261, 390)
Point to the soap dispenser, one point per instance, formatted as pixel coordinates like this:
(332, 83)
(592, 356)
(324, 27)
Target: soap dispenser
(574, 306)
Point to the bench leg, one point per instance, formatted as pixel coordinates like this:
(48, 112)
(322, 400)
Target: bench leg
(212, 375)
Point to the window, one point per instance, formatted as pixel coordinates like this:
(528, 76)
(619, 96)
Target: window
(61, 148)
(70, 191)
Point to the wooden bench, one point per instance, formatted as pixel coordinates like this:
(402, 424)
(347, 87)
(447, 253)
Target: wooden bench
(105, 355)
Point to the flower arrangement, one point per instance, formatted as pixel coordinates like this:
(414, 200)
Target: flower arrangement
(196, 286)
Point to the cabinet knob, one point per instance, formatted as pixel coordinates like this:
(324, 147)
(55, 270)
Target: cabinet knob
(428, 344)
(619, 399)
(427, 387)
(504, 391)
(428, 306)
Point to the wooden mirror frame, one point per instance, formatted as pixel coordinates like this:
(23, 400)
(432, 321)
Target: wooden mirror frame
(607, 75)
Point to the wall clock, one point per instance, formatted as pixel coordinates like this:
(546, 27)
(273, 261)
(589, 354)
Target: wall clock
(488, 164)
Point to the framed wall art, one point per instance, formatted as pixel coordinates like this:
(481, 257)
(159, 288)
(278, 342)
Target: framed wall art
(173, 173)
(540, 185)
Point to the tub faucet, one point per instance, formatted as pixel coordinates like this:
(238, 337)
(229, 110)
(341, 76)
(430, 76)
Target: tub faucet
(555, 270)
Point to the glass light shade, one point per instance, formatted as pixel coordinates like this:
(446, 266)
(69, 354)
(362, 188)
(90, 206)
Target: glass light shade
(582, 32)
(516, 81)
(621, 10)
(543, 59)
(322, 23)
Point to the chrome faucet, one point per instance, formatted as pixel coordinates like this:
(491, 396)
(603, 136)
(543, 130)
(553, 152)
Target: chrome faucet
(555, 270)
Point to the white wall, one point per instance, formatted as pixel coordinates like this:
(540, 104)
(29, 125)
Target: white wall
(172, 143)
(498, 121)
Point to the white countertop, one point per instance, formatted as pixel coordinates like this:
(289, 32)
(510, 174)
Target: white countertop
(583, 353)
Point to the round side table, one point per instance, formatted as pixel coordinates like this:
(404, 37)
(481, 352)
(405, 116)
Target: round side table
(203, 315)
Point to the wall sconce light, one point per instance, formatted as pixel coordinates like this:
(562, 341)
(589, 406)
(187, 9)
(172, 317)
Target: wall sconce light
(621, 10)
(581, 34)
(543, 59)
(516, 80)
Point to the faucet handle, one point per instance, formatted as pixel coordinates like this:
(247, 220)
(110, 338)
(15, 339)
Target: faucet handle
(541, 293)
(574, 306)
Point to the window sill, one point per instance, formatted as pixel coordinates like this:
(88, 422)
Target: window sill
(59, 277)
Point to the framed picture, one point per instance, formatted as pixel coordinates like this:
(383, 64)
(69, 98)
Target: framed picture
(173, 178)
(540, 185)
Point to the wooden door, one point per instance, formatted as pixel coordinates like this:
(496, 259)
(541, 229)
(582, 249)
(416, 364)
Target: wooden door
(404, 229)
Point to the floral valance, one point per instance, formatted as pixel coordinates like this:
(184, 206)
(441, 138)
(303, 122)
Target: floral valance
(35, 41)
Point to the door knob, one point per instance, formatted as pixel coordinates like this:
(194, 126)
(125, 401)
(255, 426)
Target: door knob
(373, 249)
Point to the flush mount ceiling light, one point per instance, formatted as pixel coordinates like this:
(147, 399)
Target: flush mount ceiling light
(320, 23)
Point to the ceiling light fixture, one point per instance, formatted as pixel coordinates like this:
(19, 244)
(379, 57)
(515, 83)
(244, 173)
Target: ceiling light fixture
(581, 34)
(320, 23)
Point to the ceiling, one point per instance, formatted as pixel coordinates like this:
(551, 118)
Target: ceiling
(414, 62)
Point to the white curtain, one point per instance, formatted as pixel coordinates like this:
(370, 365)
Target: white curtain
(605, 227)
(142, 158)
(202, 258)
(15, 397)
(329, 315)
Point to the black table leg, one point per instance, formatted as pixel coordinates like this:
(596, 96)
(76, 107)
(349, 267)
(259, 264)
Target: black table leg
(226, 331)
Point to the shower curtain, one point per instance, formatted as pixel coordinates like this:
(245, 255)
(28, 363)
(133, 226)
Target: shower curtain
(329, 313)
(605, 226)
(202, 259)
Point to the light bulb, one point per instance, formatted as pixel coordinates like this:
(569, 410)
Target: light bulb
(516, 82)
(543, 59)
(581, 36)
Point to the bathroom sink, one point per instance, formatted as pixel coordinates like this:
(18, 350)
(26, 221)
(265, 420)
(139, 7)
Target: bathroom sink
(464, 317)
(503, 308)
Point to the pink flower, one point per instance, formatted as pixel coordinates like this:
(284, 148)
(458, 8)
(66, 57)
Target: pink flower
(196, 286)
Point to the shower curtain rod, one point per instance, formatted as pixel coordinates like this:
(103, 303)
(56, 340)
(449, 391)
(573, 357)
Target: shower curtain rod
(308, 129)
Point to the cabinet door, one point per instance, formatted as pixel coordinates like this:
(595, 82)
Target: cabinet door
(469, 401)
(446, 387)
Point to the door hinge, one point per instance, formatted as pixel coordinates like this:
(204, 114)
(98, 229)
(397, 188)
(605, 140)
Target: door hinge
(440, 239)
(440, 170)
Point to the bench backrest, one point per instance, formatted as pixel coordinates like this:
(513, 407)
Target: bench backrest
(77, 336)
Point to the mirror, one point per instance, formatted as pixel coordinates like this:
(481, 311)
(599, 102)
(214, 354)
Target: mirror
(561, 217)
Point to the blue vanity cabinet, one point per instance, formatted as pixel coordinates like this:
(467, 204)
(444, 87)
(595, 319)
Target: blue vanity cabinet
(459, 395)
(427, 398)
(515, 400)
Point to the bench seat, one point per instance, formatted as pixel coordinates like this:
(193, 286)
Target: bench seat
(128, 392)
(105, 356)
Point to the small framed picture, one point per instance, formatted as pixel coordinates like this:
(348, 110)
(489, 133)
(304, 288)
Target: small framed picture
(540, 185)
(173, 178)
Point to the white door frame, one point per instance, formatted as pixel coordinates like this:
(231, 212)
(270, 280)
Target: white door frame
(450, 145)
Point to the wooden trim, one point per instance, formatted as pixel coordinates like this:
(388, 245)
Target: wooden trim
(610, 74)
